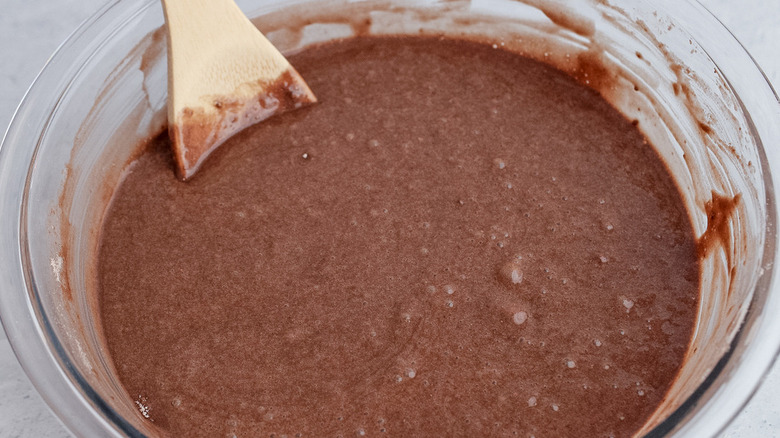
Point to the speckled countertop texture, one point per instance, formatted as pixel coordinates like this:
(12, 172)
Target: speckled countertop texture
(31, 30)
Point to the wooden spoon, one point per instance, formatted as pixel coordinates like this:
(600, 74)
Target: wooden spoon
(223, 75)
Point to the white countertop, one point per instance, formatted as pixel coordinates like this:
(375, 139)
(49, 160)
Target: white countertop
(31, 30)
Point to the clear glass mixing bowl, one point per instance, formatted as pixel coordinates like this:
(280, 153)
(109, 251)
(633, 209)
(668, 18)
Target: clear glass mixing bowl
(668, 64)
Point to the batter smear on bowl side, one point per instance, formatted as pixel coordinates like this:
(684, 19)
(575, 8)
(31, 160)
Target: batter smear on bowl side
(456, 241)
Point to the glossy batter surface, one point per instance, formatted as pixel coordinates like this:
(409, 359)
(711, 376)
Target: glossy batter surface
(456, 241)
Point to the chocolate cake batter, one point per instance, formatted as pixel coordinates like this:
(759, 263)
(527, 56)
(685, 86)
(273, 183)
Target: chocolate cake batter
(457, 241)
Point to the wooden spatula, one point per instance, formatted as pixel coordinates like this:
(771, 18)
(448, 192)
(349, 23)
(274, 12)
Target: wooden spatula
(223, 75)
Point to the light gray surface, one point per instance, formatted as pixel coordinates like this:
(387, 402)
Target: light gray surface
(31, 30)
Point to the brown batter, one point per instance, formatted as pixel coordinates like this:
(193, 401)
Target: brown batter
(457, 241)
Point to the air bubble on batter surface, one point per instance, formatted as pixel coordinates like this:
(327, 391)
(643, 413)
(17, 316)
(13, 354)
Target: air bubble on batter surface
(511, 272)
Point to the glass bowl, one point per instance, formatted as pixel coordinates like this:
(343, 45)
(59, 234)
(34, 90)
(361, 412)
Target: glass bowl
(668, 64)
